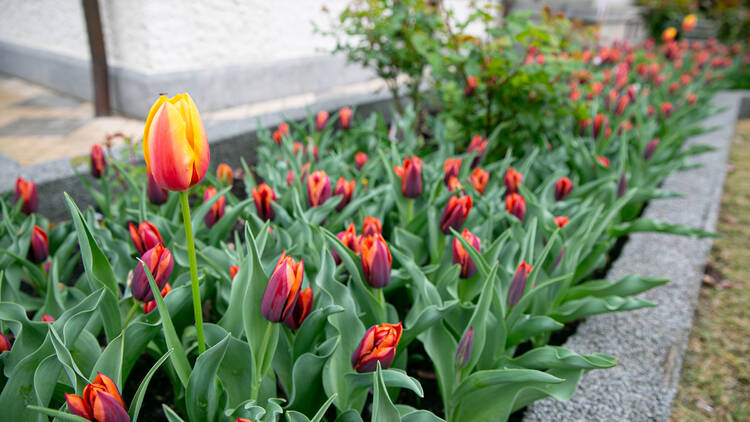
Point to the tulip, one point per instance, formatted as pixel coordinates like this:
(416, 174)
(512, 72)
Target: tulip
(650, 148)
(612, 96)
(320, 120)
(174, 143)
(461, 256)
(101, 402)
(455, 213)
(512, 179)
(156, 194)
(600, 121)
(669, 34)
(242, 420)
(151, 305)
(666, 109)
(471, 85)
(691, 98)
(301, 309)
(688, 23)
(4, 343)
(583, 124)
(224, 174)
(650, 110)
(463, 352)
(575, 94)
(624, 127)
(318, 188)
(145, 236)
(345, 117)
(561, 221)
(371, 226)
(217, 208)
(563, 186)
(379, 344)
(360, 159)
(518, 285)
(451, 168)
(411, 176)
(26, 192)
(160, 263)
(98, 162)
(479, 179)
(346, 190)
(263, 195)
(477, 145)
(283, 289)
(39, 250)
(376, 260)
(350, 239)
(632, 92)
(516, 204)
(280, 132)
(596, 89)
(47, 318)
(621, 104)
(454, 184)
(233, 269)
(603, 161)
(622, 186)
(685, 79)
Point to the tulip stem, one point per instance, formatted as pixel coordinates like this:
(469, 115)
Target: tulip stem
(410, 210)
(131, 313)
(258, 379)
(197, 309)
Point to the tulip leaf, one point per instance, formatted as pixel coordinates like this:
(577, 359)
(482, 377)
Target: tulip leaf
(234, 371)
(420, 416)
(478, 321)
(21, 390)
(170, 414)
(529, 326)
(656, 226)
(629, 285)
(383, 409)
(440, 345)
(201, 397)
(57, 414)
(580, 308)
(555, 357)
(393, 378)
(428, 317)
(221, 229)
(306, 394)
(140, 393)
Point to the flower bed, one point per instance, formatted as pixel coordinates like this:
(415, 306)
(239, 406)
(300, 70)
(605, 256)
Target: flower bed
(365, 264)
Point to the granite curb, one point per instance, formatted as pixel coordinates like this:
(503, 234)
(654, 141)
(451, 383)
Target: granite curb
(650, 343)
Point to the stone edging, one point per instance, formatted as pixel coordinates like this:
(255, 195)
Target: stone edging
(650, 343)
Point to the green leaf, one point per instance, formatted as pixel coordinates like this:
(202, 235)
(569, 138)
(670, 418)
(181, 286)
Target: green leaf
(170, 414)
(140, 393)
(383, 409)
(529, 326)
(58, 414)
(202, 393)
(580, 308)
(393, 378)
(655, 226)
(629, 285)
(548, 357)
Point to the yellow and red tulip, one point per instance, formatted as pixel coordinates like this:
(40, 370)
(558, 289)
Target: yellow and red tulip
(263, 195)
(512, 179)
(461, 256)
(217, 209)
(346, 190)
(454, 184)
(39, 245)
(156, 194)
(318, 188)
(145, 236)
(224, 174)
(688, 23)
(376, 260)
(379, 344)
(98, 162)
(151, 305)
(516, 204)
(301, 309)
(345, 117)
(174, 143)
(455, 213)
(160, 263)
(411, 176)
(101, 402)
(563, 186)
(451, 168)
(283, 289)
(25, 191)
(669, 34)
(479, 179)
(518, 285)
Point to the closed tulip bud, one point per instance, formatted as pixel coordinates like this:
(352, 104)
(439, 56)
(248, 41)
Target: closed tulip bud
(283, 289)
(563, 186)
(622, 186)
(98, 162)
(632, 92)
(301, 309)
(145, 236)
(151, 305)
(515, 204)
(477, 145)
(376, 260)
(346, 190)
(624, 127)
(666, 109)
(455, 213)
(688, 23)
(465, 346)
(650, 148)
(471, 85)
(160, 263)
(360, 159)
(621, 105)
(596, 89)
(263, 195)
(371, 226)
(454, 184)
(518, 285)
(174, 143)
(156, 194)
(512, 179)
(345, 117)
(603, 161)
(26, 192)
(612, 96)
(650, 110)
(600, 121)
(233, 269)
(379, 344)
(561, 221)
(411, 177)
(669, 34)
(320, 120)
(479, 179)
(242, 420)
(583, 125)
(575, 94)
(289, 178)
(318, 188)
(4, 343)
(674, 86)
(350, 239)
(451, 168)
(691, 98)
(685, 79)
(461, 256)
(47, 318)
(281, 131)
(224, 174)
(101, 402)
(39, 250)
(217, 209)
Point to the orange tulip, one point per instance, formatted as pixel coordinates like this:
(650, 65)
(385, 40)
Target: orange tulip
(263, 195)
(151, 305)
(145, 236)
(101, 401)
(301, 309)
(350, 239)
(512, 179)
(371, 226)
(280, 132)
(4, 343)
(455, 213)
(224, 174)
(174, 143)
(479, 179)
(345, 117)
(561, 221)
(516, 204)
(346, 190)
(98, 162)
(321, 119)
(360, 159)
(688, 23)
(39, 245)
(318, 188)
(26, 192)
(451, 168)
(217, 208)
(563, 186)
(376, 260)
(378, 345)
(461, 256)
(411, 176)
(233, 270)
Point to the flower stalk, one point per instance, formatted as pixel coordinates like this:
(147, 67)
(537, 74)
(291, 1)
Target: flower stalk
(190, 242)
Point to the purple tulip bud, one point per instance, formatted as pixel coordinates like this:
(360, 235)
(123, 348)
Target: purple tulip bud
(518, 285)
(622, 186)
(463, 352)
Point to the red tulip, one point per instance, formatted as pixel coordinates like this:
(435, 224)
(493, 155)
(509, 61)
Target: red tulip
(379, 344)
(350, 239)
(563, 186)
(320, 120)
(471, 85)
(26, 192)
(600, 121)
(464, 349)
(561, 221)
(156, 195)
(624, 127)
(217, 209)
(301, 310)
(516, 204)
(280, 132)
(666, 109)
(512, 179)
(174, 143)
(360, 159)
(345, 117)
(454, 184)
(39, 247)
(101, 402)
(691, 98)
(596, 89)
(376, 260)
(145, 236)
(621, 105)
(371, 226)
(518, 285)
(151, 305)
(461, 256)
(650, 110)
(263, 195)
(455, 213)
(98, 162)
(411, 176)
(160, 264)
(451, 168)
(346, 190)
(47, 318)
(4, 343)
(283, 289)
(318, 188)
(477, 145)
(233, 269)
(479, 179)
(650, 148)
(242, 420)
(224, 174)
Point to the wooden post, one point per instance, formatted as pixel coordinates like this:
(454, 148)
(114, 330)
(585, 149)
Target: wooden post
(98, 57)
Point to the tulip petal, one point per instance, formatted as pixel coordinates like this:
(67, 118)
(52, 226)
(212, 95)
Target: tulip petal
(78, 406)
(170, 159)
(107, 409)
